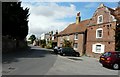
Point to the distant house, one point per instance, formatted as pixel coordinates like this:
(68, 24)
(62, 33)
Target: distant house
(101, 31)
(76, 33)
(45, 36)
(55, 39)
(50, 37)
(42, 36)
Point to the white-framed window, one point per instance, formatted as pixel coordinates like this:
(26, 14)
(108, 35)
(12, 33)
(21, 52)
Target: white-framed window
(98, 48)
(75, 46)
(99, 33)
(100, 19)
(67, 37)
(60, 44)
(76, 36)
(61, 39)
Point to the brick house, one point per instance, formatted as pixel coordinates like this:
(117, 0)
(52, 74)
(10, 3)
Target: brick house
(76, 33)
(96, 35)
(101, 31)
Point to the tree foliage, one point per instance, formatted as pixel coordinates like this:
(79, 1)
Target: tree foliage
(117, 38)
(32, 38)
(14, 20)
(67, 43)
(43, 43)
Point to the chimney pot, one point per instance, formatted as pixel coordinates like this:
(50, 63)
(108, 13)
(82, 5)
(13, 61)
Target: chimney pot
(78, 18)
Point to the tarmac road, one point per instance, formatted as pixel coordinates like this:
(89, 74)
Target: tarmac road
(36, 61)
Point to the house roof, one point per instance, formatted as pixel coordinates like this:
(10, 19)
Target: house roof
(82, 26)
(74, 28)
(115, 13)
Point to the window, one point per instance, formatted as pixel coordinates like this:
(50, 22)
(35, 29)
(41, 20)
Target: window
(100, 19)
(75, 45)
(107, 54)
(98, 48)
(119, 55)
(61, 39)
(67, 37)
(60, 44)
(99, 33)
(76, 36)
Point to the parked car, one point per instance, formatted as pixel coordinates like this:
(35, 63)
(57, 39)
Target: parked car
(69, 52)
(57, 50)
(111, 59)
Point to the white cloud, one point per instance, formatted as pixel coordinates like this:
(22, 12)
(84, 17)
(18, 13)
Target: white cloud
(45, 17)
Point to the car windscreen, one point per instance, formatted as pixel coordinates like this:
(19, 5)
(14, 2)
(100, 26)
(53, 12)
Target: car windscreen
(67, 49)
(107, 54)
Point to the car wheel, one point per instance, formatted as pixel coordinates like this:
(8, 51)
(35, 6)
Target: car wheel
(63, 54)
(103, 65)
(116, 66)
(77, 55)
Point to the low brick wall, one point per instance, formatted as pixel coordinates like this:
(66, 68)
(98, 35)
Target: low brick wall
(10, 45)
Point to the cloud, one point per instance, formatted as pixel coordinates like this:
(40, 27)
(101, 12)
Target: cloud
(45, 17)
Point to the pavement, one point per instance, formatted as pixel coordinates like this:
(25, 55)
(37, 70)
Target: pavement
(66, 65)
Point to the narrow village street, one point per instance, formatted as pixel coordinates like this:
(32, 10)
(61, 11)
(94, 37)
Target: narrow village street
(39, 61)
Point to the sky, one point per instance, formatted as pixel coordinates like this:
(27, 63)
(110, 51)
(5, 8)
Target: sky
(51, 16)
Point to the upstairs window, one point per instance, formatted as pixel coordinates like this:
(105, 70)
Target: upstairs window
(99, 33)
(76, 37)
(100, 19)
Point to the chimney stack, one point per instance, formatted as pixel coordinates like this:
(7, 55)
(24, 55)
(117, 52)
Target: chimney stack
(78, 18)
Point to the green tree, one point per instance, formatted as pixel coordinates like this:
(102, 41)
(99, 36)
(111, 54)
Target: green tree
(32, 38)
(67, 43)
(117, 38)
(49, 45)
(43, 43)
(14, 20)
(117, 31)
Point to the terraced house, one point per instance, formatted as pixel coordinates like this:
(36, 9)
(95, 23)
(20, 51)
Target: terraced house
(76, 33)
(96, 35)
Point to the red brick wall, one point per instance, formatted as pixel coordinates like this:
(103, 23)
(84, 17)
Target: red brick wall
(80, 42)
(107, 17)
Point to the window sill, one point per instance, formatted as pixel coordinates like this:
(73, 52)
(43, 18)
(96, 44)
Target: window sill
(98, 52)
(75, 48)
(75, 39)
(98, 37)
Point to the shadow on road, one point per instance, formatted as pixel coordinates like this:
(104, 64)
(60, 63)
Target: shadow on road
(29, 53)
(76, 59)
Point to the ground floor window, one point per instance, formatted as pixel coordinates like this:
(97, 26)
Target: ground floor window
(98, 48)
(60, 44)
(75, 45)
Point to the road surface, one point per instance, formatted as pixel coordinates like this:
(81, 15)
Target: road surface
(39, 61)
